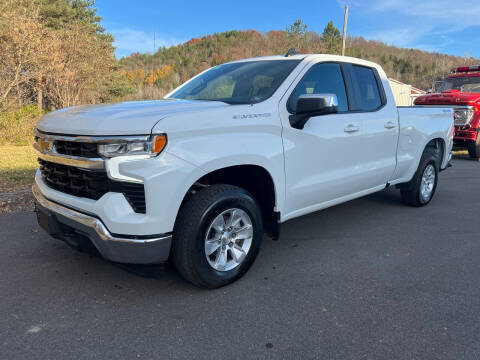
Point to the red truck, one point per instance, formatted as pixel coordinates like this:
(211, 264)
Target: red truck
(461, 89)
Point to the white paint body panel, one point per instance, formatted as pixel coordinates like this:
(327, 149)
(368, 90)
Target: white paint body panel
(125, 118)
(311, 169)
(418, 126)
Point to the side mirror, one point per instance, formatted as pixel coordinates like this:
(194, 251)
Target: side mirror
(429, 91)
(310, 105)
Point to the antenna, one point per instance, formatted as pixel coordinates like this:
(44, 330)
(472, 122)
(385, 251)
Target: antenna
(291, 52)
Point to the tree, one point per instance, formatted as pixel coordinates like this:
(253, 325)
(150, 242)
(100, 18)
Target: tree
(59, 14)
(130, 76)
(140, 75)
(24, 43)
(118, 86)
(332, 39)
(79, 64)
(297, 35)
(298, 29)
(53, 50)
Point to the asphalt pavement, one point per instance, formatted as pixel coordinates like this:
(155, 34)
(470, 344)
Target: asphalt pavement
(369, 279)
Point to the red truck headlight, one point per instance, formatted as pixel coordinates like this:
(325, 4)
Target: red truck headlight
(463, 116)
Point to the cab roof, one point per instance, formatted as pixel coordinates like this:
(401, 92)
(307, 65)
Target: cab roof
(313, 57)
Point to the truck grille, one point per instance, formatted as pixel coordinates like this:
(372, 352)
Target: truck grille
(80, 149)
(90, 184)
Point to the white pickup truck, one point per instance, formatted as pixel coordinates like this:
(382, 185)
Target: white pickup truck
(202, 175)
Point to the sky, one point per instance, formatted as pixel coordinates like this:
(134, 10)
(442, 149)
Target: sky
(432, 25)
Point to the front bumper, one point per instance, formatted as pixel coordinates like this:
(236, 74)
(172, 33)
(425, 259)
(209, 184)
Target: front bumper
(84, 231)
(462, 136)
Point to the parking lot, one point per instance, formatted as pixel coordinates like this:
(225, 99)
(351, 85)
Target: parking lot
(370, 278)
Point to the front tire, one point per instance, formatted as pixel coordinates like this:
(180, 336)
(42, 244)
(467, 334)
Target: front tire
(474, 148)
(217, 236)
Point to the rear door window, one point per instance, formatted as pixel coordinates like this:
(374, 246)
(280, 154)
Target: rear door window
(368, 93)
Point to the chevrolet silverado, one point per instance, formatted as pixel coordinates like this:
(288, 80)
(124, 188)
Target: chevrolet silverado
(201, 176)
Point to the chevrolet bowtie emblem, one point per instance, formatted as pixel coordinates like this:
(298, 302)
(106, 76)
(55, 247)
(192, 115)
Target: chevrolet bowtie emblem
(44, 145)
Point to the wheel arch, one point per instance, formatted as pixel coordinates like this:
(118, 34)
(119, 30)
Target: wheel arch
(436, 145)
(439, 146)
(253, 178)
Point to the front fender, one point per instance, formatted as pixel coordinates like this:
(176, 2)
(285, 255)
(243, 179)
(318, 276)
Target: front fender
(211, 153)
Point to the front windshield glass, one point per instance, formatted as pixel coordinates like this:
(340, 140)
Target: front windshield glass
(462, 84)
(238, 83)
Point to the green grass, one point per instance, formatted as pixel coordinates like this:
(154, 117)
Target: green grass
(17, 167)
(16, 126)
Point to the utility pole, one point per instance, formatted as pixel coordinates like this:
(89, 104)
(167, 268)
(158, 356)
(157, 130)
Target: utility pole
(153, 54)
(345, 20)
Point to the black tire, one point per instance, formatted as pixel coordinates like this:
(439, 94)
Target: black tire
(195, 216)
(411, 192)
(474, 148)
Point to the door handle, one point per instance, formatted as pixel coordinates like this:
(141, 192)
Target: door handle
(351, 128)
(390, 125)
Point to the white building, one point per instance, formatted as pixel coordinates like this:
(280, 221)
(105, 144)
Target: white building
(404, 94)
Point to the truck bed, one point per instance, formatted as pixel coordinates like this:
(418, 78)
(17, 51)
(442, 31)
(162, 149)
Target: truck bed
(418, 125)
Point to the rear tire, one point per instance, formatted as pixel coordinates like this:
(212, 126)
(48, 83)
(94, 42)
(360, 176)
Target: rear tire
(420, 190)
(212, 220)
(474, 148)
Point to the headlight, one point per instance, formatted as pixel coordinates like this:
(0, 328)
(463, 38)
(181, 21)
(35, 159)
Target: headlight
(152, 147)
(463, 116)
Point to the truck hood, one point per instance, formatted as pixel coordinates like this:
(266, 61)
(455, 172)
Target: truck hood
(449, 98)
(125, 118)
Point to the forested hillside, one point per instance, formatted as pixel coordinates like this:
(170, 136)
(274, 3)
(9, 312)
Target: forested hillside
(154, 75)
(55, 54)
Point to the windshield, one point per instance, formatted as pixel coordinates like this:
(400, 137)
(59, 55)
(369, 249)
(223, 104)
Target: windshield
(238, 83)
(462, 84)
